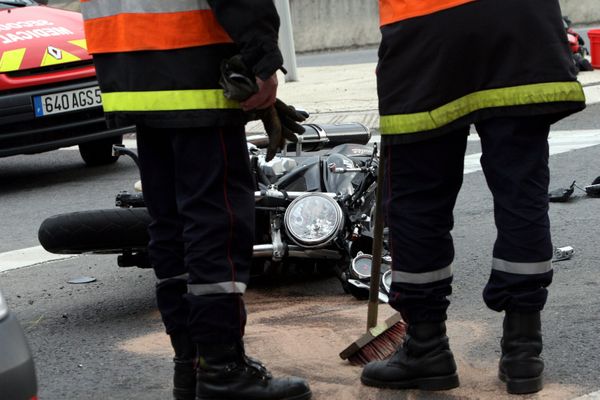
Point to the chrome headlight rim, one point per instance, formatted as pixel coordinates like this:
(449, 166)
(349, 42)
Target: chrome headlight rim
(314, 243)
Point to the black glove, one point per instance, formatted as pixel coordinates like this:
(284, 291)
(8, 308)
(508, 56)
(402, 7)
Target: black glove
(281, 123)
(237, 82)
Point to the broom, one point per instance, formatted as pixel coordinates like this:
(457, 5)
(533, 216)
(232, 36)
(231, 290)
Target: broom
(381, 340)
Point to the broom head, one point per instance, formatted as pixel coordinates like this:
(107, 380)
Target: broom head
(378, 343)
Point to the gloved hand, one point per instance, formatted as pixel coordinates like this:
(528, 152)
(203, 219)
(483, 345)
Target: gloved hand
(237, 82)
(281, 123)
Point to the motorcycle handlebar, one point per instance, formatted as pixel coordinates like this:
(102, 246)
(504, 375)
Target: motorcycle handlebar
(320, 136)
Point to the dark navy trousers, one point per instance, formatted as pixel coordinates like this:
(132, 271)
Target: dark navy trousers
(422, 182)
(198, 188)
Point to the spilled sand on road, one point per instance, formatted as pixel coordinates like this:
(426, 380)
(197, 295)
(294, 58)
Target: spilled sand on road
(303, 336)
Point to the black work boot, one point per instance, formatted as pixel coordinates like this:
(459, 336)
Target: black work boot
(423, 362)
(521, 366)
(225, 372)
(184, 376)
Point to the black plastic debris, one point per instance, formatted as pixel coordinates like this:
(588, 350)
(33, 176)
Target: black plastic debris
(593, 190)
(561, 195)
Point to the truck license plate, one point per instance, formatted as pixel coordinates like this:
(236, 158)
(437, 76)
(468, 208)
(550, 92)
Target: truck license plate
(63, 102)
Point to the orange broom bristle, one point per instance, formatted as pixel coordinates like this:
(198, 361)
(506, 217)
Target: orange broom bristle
(378, 343)
(381, 347)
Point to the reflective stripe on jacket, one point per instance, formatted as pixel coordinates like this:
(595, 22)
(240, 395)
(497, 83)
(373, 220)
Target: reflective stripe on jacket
(158, 61)
(134, 25)
(391, 11)
(446, 64)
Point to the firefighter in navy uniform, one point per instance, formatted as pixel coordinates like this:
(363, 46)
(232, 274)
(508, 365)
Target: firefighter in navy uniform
(158, 65)
(504, 66)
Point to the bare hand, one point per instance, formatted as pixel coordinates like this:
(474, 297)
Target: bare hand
(265, 97)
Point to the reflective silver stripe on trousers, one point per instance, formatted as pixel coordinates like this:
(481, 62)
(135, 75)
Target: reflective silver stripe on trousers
(106, 8)
(522, 268)
(182, 277)
(217, 288)
(423, 277)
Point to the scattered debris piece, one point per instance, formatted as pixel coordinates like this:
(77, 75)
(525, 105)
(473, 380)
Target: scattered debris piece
(593, 190)
(563, 253)
(81, 279)
(561, 195)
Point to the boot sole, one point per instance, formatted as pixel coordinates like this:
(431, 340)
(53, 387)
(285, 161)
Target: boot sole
(303, 396)
(522, 386)
(446, 382)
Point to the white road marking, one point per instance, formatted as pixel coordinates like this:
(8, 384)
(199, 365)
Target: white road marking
(129, 143)
(560, 142)
(27, 257)
(589, 396)
(592, 94)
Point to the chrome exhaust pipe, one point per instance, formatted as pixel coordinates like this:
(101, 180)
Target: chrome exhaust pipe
(266, 250)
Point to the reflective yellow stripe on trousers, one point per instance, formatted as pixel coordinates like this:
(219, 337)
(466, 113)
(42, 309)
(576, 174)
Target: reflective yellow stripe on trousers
(422, 277)
(539, 93)
(521, 268)
(204, 289)
(168, 100)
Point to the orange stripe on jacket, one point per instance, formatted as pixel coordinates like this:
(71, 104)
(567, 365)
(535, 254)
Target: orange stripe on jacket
(391, 11)
(153, 31)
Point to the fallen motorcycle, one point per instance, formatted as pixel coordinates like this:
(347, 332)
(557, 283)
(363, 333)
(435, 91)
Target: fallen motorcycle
(314, 208)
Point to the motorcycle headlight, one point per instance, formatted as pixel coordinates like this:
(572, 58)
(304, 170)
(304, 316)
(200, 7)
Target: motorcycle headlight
(313, 220)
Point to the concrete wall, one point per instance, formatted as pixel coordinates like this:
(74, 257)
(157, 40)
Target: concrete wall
(327, 24)
(581, 11)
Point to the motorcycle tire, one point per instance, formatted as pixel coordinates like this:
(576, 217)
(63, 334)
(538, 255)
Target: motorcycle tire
(110, 231)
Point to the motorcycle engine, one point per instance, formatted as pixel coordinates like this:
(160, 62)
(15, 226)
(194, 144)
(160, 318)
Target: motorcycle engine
(277, 167)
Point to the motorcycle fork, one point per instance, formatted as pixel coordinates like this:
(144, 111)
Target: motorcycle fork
(278, 245)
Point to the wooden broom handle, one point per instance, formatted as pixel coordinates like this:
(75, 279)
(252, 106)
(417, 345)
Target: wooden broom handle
(377, 242)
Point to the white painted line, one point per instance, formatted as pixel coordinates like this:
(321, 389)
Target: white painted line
(592, 94)
(27, 257)
(590, 396)
(129, 143)
(472, 163)
(560, 142)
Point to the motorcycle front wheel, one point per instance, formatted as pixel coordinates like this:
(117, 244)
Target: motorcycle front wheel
(109, 231)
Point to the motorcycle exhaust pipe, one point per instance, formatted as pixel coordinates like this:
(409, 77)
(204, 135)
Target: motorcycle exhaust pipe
(266, 251)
